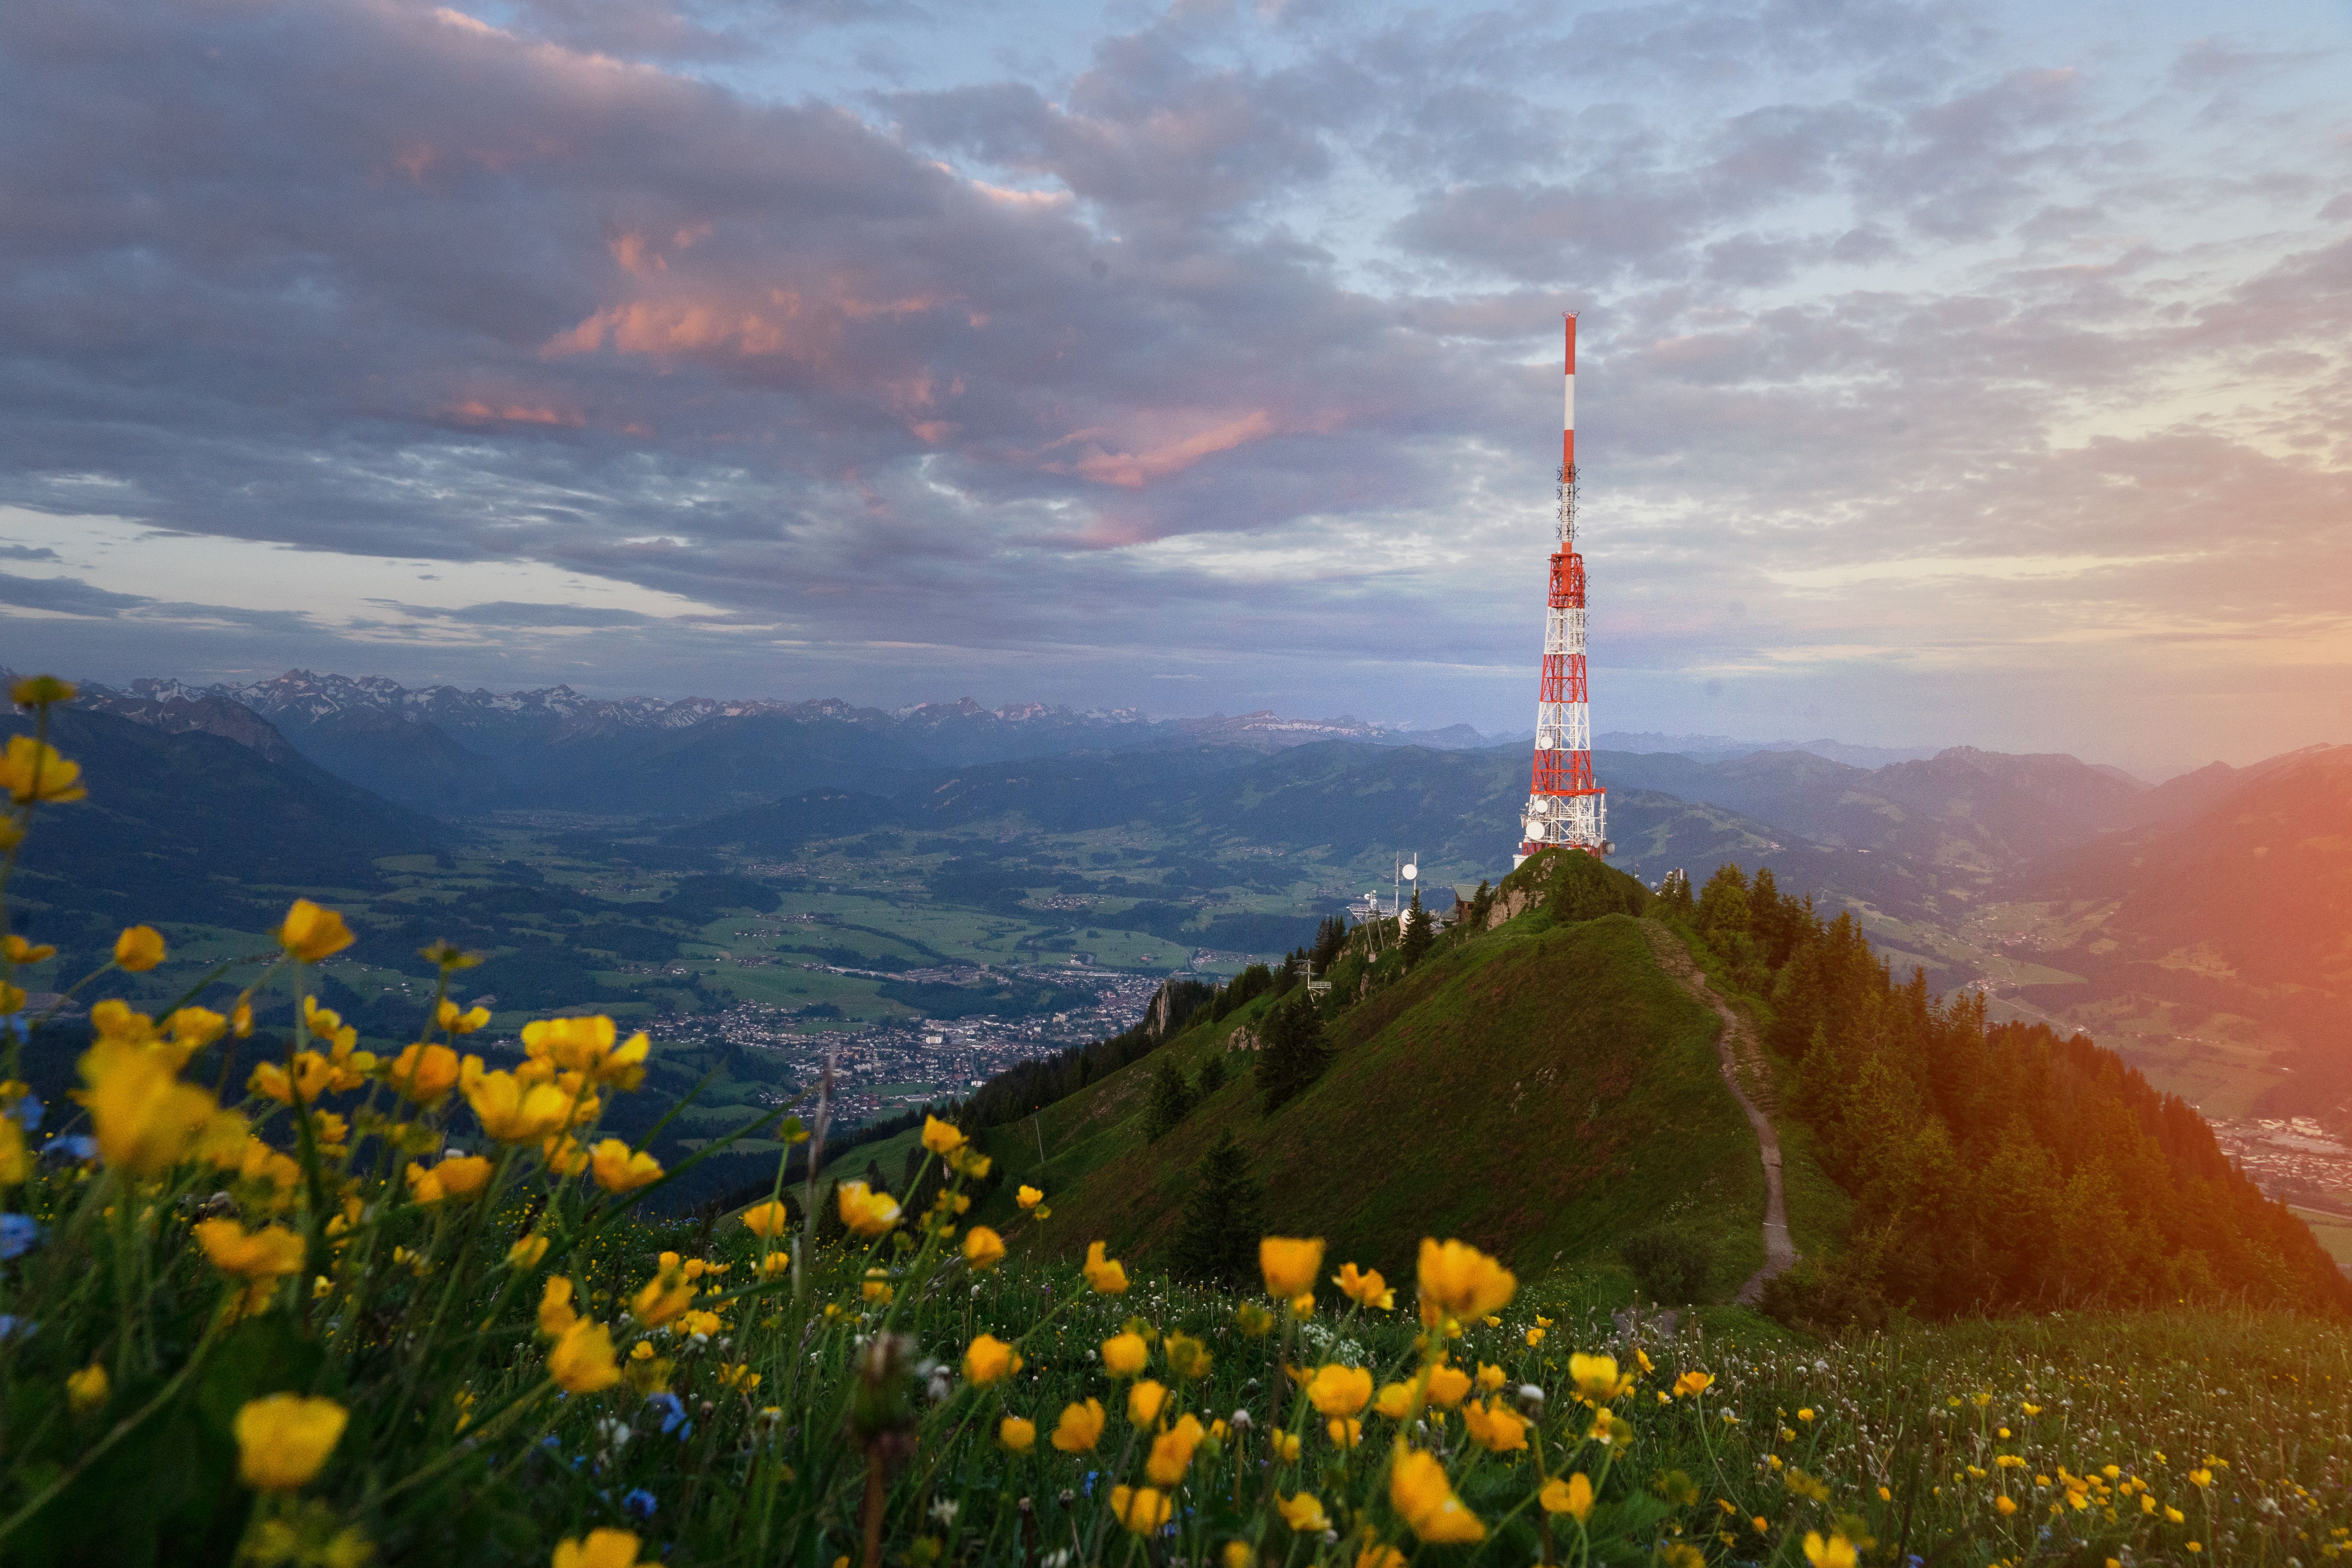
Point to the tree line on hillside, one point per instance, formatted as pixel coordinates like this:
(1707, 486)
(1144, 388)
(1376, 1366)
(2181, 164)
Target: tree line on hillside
(1993, 1167)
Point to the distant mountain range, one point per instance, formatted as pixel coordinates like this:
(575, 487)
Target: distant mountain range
(445, 750)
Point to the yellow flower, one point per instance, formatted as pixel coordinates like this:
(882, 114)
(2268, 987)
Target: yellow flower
(584, 1046)
(19, 950)
(424, 1073)
(2174, 1515)
(1420, 1493)
(769, 1219)
(1188, 1358)
(1304, 1513)
(1366, 1289)
(509, 1110)
(31, 770)
(1376, 1556)
(1336, 1389)
(1496, 1428)
(1104, 1274)
(309, 934)
(1490, 1377)
(601, 1549)
(527, 1252)
(146, 1120)
(1693, 1383)
(1535, 1338)
(1837, 1551)
(620, 1170)
(1397, 1401)
(139, 949)
(982, 1249)
(268, 1253)
(555, 1314)
(941, 1137)
(1289, 1265)
(1595, 1376)
(1459, 1281)
(1448, 1385)
(1017, 1435)
(86, 1390)
(1080, 1427)
(581, 1361)
(449, 1017)
(1144, 1402)
(663, 1296)
(1572, 1496)
(1343, 1432)
(1028, 1198)
(990, 1359)
(283, 1439)
(1125, 1354)
(2201, 1477)
(1172, 1451)
(1141, 1509)
(2005, 1504)
(865, 1211)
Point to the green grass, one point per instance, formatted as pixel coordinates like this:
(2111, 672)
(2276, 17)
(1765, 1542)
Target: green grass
(1539, 1092)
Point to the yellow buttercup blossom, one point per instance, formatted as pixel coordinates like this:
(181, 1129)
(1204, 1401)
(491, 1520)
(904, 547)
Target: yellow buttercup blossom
(1691, 1382)
(1125, 1354)
(20, 950)
(1397, 1401)
(1284, 1446)
(1336, 1389)
(1080, 1427)
(768, 1220)
(32, 771)
(664, 1296)
(1172, 1451)
(509, 1110)
(990, 1360)
(1141, 1509)
(1304, 1513)
(424, 1073)
(145, 1119)
(1448, 1387)
(1289, 1263)
(268, 1253)
(581, 1361)
(283, 1439)
(527, 1252)
(448, 1016)
(1188, 1358)
(1105, 1275)
(598, 1549)
(1017, 1435)
(941, 1137)
(86, 1390)
(1459, 1281)
(139, 949)
(555, 1313)
(1422, 1494)
(1836, 1551)
(586, 1046)
(1366, 1288)
(1028, 1198)
(1144, 1402)
(1595, 1377)
(1572, 1496)
(1496, 1427)
(1535, 1338)
(982, 1249)
(309, 934)
(621, 1170)
(865, 1211)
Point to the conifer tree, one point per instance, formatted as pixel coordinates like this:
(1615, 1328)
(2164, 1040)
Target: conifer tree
(1213, 1076)
(1294, 1053)
(1171, 1101)
(1217, 1241)
(1417, 934)
(1330, 937)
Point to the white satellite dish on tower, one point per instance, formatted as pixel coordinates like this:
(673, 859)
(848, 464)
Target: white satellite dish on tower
(1410, 872)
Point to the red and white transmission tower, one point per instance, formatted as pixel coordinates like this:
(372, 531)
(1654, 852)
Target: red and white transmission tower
(1565, 806)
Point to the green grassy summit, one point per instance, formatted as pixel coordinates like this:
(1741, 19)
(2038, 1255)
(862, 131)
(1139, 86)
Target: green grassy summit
(1543, 1091)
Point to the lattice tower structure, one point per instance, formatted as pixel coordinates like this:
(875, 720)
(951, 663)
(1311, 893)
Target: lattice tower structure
(1566, 805)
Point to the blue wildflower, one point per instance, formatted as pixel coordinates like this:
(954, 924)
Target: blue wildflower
(639, 1504)
(18, 1234)
(28, 1112)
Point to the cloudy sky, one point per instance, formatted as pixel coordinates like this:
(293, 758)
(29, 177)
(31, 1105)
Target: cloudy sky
(1948, 373)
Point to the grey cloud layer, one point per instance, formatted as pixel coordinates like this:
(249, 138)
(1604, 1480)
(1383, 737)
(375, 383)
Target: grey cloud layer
(1029, 372)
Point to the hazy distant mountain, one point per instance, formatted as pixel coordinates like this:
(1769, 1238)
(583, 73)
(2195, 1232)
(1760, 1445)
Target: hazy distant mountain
(1717, 748)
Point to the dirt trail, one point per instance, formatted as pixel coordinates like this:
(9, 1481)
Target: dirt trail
(1750, 1078)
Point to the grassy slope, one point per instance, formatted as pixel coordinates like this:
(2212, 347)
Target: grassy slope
(1538, 1092)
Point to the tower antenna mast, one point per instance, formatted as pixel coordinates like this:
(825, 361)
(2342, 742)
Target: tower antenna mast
(1565, 806)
